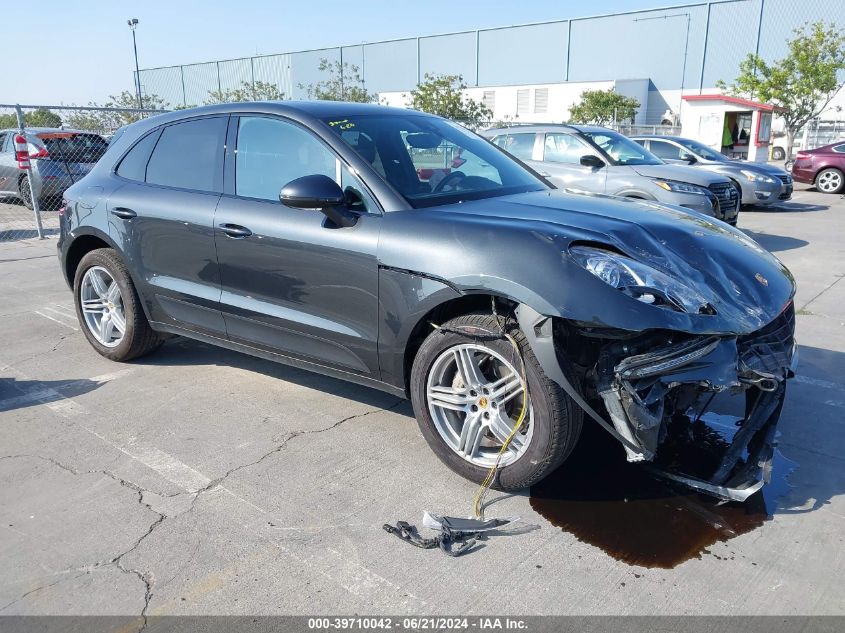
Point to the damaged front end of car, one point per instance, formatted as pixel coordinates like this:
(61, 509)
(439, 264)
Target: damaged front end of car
(650, 390)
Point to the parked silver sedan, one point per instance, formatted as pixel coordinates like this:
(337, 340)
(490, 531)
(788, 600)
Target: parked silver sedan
(761, 184)
(598, 160)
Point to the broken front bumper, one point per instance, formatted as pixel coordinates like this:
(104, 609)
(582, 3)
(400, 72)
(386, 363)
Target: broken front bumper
(650, 383)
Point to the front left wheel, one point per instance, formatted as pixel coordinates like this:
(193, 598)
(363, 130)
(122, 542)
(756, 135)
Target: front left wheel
(108, 308)
(468, 394)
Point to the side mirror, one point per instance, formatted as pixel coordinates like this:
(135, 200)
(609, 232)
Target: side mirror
(321, 193)
(590, 160)
(689, 158)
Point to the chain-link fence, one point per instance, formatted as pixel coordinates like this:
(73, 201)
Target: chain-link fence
(56, 148)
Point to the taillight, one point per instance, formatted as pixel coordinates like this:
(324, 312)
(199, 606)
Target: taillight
(21, 151)
(64, 207)
(41, 153)
(801, 156)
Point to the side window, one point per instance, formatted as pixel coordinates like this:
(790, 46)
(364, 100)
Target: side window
(134, 164)
(839, 149)
(564, 148)
(189, 155)
(270, 153)
(3, 136)
(519, 145)
(665, 150)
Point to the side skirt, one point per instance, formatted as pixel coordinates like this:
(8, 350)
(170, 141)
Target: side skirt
(281, 358)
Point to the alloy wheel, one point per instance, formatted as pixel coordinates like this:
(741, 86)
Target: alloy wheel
(475, 397)
(102, 306)
(829, 181)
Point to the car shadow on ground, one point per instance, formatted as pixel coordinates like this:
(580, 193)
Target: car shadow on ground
(19, 394)
(775, 243)
(786, 207)
(181, 351)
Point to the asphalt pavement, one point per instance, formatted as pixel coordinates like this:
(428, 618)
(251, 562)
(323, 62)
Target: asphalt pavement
(202, 481)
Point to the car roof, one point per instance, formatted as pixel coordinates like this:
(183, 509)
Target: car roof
(51, 130)
(546, 127)
(666, 137)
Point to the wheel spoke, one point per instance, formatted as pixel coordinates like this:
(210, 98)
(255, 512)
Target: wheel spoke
(468, 367)
(113, 293)
(505, 389)
(94, 306)
(98, 285)
(501, 426)
(106, 329)
(448, 398)
(471, 434)
(119, 322)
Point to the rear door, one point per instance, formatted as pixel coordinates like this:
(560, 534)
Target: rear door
(292, 282)
(561, 156)
(163, 216)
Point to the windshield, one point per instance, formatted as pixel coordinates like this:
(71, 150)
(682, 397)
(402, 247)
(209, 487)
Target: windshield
(620, 149)
(73, 147)
(702, 150)
(431, 161)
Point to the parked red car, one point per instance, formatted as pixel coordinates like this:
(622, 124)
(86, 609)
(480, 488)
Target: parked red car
(823, 166)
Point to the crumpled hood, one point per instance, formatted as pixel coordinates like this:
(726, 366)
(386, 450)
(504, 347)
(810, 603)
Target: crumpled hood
(747, 285)
(681, 173)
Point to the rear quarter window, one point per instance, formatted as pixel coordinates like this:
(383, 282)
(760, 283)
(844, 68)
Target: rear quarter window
(134, 164)
(189, 155)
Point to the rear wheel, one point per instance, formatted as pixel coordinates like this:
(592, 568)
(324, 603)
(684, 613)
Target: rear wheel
(25, 192)
(467, 392)
(108, 308)
(778, 153)
(830, 180)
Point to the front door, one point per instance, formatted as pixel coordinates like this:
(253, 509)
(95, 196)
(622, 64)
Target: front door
(292, 282)
(561, 156)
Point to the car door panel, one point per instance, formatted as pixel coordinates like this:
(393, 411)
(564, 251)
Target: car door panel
(296, 285)
(167, 231)
(560, 155)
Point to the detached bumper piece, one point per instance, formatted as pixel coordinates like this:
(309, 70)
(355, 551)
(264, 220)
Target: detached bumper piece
(456, 536)
(654, 385)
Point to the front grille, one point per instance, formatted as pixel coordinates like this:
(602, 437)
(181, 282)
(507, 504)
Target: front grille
(786, 179)
(727, 196)
(769, 349)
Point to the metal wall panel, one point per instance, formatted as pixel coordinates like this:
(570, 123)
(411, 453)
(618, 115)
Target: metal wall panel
(449, 55)
(390, 66)
(523, 54)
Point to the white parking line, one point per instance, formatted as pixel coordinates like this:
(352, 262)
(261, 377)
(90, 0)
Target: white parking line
(818, 382)
(55, 320)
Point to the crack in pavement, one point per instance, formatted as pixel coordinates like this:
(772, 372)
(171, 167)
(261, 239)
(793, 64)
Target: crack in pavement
(147, 578)
(824, 290)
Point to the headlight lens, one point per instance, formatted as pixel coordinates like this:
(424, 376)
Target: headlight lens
(640, 281)
(680, 187)
(755, 177)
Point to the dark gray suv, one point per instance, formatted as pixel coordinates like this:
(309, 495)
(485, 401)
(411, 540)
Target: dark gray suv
(400, 251)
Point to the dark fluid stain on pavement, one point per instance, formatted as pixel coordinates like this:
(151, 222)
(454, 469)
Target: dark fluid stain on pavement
(640, 519)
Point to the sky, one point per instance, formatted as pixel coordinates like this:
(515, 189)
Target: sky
(79, 52)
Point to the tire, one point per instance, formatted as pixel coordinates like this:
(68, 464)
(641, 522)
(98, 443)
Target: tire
(24, 192)
(554, 423)
(830, 180)
(138, 337)
(778, 153)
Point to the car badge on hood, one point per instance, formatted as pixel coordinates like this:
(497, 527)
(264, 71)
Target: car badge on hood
(761, 279)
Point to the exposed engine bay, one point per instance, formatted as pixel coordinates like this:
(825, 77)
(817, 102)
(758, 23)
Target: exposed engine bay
(655, 386)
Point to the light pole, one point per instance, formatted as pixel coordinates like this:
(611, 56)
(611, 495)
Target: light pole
(133, 22)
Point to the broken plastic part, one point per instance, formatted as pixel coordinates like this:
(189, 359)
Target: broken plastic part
(457, 536)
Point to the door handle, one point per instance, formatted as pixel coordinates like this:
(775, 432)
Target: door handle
(123, 213)
(235, 230)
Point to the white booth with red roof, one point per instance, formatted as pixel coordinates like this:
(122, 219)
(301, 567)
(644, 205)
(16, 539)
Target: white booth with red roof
(739, 128)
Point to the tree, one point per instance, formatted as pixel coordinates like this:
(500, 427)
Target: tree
(444, 96)
(602, 107)
(40, 117)
(258, 91)
(120, 112)
(802, 83)
(344, 83)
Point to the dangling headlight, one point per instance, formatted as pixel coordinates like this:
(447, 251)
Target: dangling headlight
(640, 281)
